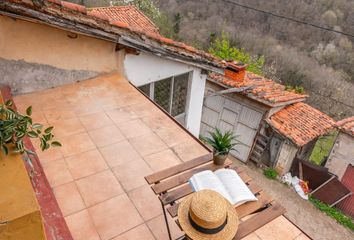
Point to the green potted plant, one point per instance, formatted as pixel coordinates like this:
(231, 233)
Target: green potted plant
(14, 126)
(222, 144)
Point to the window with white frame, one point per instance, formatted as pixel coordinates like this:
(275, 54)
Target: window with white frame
(171, 94)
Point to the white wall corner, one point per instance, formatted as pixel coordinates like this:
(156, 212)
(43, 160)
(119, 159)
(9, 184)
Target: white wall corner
(194, 112)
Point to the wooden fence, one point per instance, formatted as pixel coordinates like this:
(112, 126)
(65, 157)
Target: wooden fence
(324, 186)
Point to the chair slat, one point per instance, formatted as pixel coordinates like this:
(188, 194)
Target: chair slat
(158, 176)
(251, 207)
(259, 220)
(174, 208)
(176, 194)
(184, 177)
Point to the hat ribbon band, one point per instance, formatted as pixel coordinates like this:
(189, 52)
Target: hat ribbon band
(206, 230)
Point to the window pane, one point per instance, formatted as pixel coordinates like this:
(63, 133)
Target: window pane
(180, 91)
(162, 93)
(145, 89)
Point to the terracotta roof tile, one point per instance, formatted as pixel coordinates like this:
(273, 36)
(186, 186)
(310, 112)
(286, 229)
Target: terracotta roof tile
(301, 123)
(129, 15)
(261, 89)
(73, 6)
(347, 125)
(130, 22)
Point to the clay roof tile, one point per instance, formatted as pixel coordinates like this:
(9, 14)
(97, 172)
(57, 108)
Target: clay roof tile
(73, 6)
(301, 123)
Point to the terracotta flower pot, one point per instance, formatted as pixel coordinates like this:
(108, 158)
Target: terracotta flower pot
(219, 159)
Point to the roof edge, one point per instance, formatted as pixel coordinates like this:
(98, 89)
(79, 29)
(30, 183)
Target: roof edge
(62, 17)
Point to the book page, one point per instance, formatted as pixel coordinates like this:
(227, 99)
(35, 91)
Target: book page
(208, 180)
(236, 188)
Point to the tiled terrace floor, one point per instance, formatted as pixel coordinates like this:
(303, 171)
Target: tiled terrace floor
(112, 137)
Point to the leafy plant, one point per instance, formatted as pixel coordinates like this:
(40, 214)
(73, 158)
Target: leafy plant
(221, 143)
(297, 89)
(270, 173)
(223, 48)
(334, 213)
(15, 126)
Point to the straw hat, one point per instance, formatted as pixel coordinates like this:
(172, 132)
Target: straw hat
(206, 215)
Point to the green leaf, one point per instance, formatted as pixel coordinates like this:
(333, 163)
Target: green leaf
(9, 103)
(56, 144)
(48, 130)
(32, 134)
(4, 149)
(29, 111)
(37, 126)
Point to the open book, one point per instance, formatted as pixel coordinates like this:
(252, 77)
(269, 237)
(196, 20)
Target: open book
(224, 181)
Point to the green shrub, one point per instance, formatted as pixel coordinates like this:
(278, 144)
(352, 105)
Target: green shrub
(223, 48)
(270, 173)
(334, 213)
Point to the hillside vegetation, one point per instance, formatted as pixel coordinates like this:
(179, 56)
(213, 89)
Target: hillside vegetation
(297, 55)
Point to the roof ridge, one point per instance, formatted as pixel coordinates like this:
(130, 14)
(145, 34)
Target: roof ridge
(78, 13)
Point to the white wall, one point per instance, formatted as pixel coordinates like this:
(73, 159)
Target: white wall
(342, 154)
(146, 68)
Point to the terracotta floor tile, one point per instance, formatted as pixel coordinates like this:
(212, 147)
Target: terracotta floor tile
(57, 172)
(280, 228)
(48, 155)
(302, 237)
(158, 228)
(81, 226)
(121, 115)
(131, 175)
(55, 114)
(189, 150)
(83, 109)
(145, 109)
(95, 121)
(106, 136)
(137, 233)
(173, 136)
(67, 127)
(99, 187)
(251, 236)
(119, 153)
(134, 128)
(86, 163)
(78, 143)
(158, 121)
(146, 202)
(148, 144)
(162, 160)
(69, 198)
(115, 216)
(114, 103)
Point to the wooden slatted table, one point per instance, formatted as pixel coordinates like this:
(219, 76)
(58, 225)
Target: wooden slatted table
(171, 186)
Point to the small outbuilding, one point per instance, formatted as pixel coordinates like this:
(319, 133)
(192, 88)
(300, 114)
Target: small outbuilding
(293, 132)
(341, 161)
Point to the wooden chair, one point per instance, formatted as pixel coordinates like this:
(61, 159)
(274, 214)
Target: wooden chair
(171, 185)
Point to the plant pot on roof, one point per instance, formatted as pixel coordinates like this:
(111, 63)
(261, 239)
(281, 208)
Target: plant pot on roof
(222, 144)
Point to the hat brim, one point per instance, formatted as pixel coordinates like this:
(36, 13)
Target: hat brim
(228, 232)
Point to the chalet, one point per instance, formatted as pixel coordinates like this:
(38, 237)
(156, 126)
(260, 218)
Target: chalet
(274, 125)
